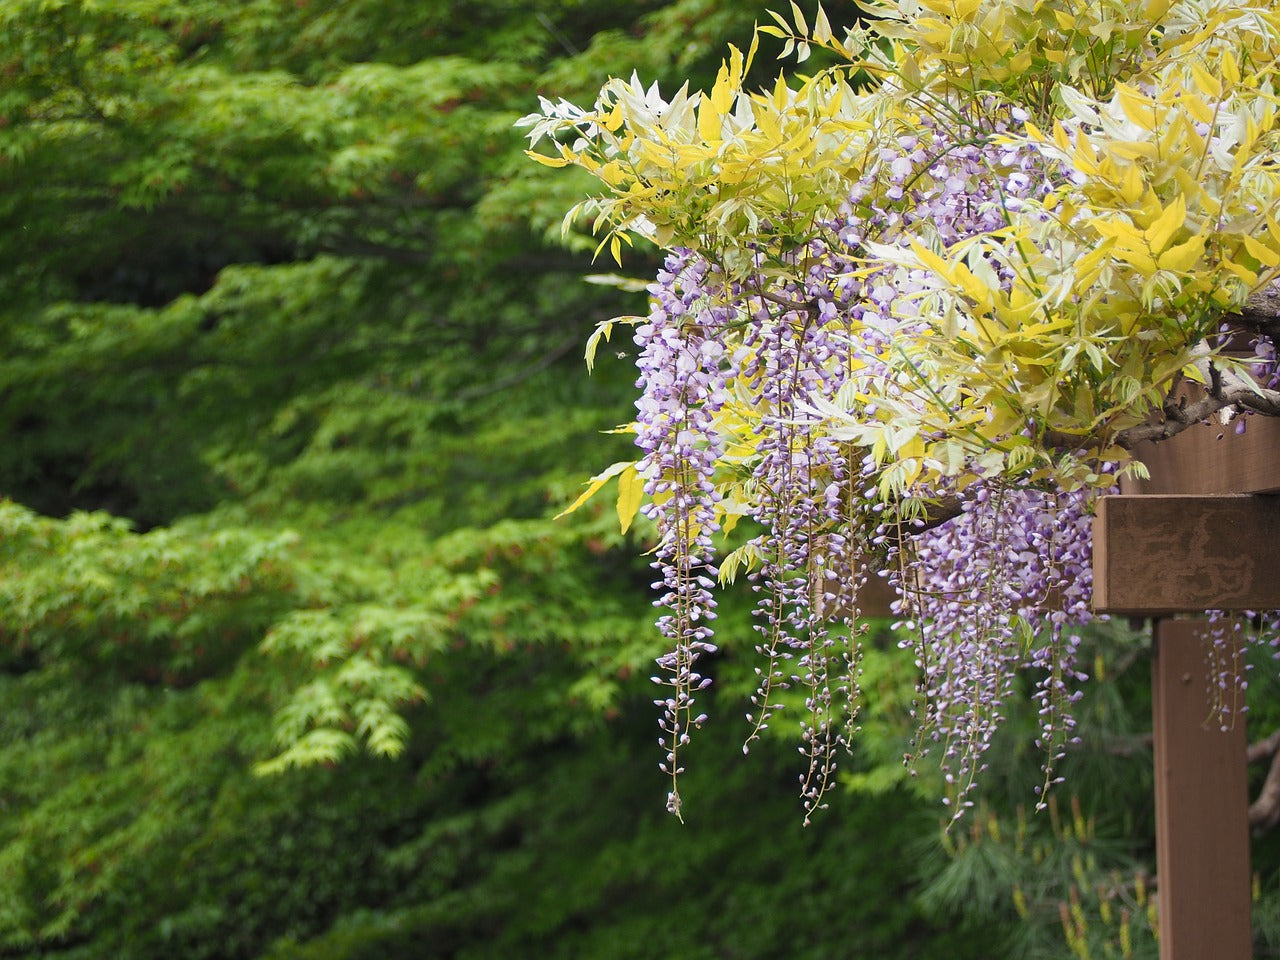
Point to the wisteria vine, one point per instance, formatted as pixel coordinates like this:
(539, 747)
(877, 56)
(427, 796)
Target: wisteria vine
(1013, 566)
(918, 311)
(1001, 589)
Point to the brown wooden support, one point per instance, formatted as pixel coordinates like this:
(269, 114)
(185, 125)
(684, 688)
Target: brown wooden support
(1211, 458)
(1159, 555)
(1156, 555)
(1202, 821)
(1198, 535)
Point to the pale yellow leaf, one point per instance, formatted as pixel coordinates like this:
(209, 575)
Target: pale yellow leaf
(1060, 138)
(1131, 185)
(931, 260)
(821, 26)
(630, 496)
(801, 27)
(1200, 111)
(973, 288)
(1139, 258)
(1167, 224)
(603, 329)
(595, 483)
(1205, 81)
(1265, 255)
(1241, 271)
(546, 161)
(1181, 258)
(1138, 108)
(1230, 68)
(734, 80)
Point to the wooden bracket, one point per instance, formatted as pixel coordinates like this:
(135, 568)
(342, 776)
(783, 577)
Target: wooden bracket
(1156, 554)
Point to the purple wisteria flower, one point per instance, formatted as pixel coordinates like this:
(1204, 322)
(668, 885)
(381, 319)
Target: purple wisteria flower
(732, 365)
(684, 374)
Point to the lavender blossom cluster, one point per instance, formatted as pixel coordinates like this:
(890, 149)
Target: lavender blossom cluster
(799, 475)
(996, 591)
(685, 371)
(1000, 590)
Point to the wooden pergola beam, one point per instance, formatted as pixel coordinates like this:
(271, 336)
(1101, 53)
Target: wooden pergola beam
(1165, 554)
(1213, 458)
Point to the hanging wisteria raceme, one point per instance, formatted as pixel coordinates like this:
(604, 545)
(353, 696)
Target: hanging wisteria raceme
(792, 358)
(1224, 647)
(684, 374)
(1000, 588)
(787, 347)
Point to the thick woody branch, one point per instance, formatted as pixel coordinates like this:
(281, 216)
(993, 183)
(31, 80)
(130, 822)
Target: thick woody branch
(1264, 748)
(1261, 313)
(947, 508)
(1264, 812)
(1227, 390)
(799, 306)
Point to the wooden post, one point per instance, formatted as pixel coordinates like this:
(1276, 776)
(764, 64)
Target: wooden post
(1159, 555)
(1202, 806)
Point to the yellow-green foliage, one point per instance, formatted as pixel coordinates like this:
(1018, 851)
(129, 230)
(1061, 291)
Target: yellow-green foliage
(1159, 118)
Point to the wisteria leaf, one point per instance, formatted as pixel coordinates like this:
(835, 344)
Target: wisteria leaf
(595, 483)
(630, 496)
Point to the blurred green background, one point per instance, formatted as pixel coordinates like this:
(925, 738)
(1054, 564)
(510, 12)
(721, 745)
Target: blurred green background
(294, 662)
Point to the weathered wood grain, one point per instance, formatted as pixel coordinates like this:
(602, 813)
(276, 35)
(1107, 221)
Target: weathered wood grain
(1210, 458)
(1202, 804)
(1164, 554)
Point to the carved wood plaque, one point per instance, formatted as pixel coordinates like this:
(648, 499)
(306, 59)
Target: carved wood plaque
(1157, 554)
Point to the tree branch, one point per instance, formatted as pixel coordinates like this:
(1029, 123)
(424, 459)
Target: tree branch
(1264, 812)
(947, 508)
(1264, 748)
(800, 306)
(1227, 389)
(535, 366)
(1129, 746)
(1260, 314)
